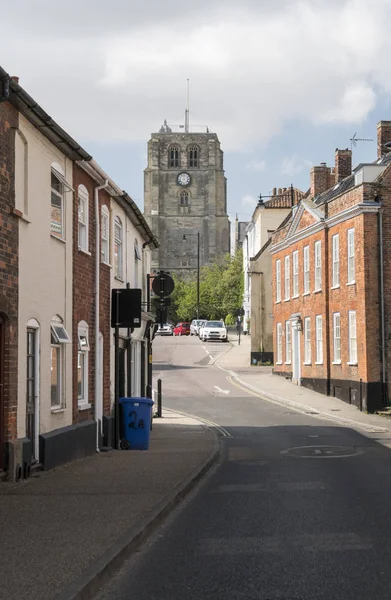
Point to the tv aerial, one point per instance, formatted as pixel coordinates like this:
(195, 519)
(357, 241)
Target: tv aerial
(355, 139)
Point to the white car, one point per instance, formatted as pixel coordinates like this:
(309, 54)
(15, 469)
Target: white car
(214, 330)
(165, 330)
(195, 325)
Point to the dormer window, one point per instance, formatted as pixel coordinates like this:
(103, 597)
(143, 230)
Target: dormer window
(174, 155)
(193, 156)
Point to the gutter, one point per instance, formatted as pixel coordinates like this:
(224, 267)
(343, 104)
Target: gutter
(6, 88)
(98, 397)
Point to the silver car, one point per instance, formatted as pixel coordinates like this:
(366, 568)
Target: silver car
(195, 326)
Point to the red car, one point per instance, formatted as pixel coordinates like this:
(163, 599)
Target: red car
(182, 329)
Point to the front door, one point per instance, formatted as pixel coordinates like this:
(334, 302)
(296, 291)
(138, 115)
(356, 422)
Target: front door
(296, 366)
(32, 390)
(2, 363)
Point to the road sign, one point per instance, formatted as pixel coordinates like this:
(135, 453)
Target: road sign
(163, 284)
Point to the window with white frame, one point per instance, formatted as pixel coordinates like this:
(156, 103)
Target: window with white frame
(105, 235)
(58, 338)
(57, 205)
(307, 340)
(278, 281)
(337, 337)
(279, 343)
(82, 194)
(318, 266)
(352, 338)
(335, 277)
(295, 268)
(319, 339)
(287, 275)
(306, 261)
(118, 247)
(351, 257)
(288, 342)
(82, 365)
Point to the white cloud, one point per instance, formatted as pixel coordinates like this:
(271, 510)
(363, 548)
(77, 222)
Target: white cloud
(121, 68)
(256, 165)
(294, 164)
(248, 200)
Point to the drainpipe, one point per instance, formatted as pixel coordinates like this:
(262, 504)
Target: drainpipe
(98, 409)
(382, 328)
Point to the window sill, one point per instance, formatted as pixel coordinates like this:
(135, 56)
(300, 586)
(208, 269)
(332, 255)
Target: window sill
(335, 287)
(57, 410)
(54, 237)
(307, 294)
(319, 363)
(277, 302)
(352, 364)
(289, 362)
(337, 362)
(317, 291)
(20, 215)
(351, 283)
(278, 363)
(85, 251)
(105, 263)
(307, 364)
(286, 299)
(84, 406)
(295, 296)
(119, 279)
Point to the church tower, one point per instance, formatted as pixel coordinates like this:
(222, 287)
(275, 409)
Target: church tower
(185, 198)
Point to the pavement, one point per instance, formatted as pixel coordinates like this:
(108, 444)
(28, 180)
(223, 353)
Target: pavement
(63, 533)
(260, 381)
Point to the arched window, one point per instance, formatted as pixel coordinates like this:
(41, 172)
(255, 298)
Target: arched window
(174, 157)
(82, 194)
(82, 365)
(118, 247)
(105, 235)
(184, 206)
(193, 156)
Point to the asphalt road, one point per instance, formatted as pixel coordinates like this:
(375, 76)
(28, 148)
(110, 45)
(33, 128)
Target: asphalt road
(297, 509)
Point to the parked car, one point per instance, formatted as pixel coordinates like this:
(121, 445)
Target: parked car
(195, 325)
(165, 329)
(182, 329)
(201, 325)
(214, 330)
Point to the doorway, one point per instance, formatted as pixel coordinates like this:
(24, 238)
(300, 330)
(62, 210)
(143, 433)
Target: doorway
(296, 366)
(32, 389)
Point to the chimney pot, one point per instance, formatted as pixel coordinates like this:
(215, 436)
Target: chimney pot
(279, 191)
(274, 192)
(15, 78)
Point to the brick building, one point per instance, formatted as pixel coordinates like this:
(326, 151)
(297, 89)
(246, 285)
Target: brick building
(9, 273)
(332, 297)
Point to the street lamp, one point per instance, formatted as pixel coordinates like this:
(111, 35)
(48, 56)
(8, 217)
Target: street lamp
(198, 269)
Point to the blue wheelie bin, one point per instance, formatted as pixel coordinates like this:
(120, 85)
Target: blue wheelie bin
(135, 423)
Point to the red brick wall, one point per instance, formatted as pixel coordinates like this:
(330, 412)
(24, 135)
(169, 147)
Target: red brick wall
(84, 298)
(9, 240)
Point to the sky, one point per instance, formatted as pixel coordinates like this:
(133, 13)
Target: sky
(283, 83)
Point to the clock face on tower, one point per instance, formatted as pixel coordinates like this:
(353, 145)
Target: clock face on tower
(183, 179)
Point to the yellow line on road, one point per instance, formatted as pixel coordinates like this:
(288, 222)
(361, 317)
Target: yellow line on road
(221, 429)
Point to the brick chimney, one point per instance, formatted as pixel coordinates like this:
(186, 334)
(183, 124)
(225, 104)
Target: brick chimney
(274, 192)
(343, 164)
(320, 179)
(383, 136)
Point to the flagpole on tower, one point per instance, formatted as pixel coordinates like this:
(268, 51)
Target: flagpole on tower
(187, 111)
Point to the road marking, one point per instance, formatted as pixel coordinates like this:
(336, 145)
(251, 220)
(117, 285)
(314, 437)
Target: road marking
(221, 429)
(220, 390)
(290, 486)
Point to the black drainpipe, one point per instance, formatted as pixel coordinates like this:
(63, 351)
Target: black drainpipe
(327, 300)
(6, 89)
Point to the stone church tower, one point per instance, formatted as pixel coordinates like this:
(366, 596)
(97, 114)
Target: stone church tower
(185, 193)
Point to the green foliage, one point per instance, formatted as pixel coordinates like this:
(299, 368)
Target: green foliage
(221, 292)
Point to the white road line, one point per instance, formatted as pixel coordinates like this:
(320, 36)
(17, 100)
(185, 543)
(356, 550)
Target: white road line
(212, 424)
(221, 391)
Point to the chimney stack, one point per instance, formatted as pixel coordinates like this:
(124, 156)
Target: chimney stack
(274, 192)
(279, 191)
(343, 164)
(320, 179)
(383, 136)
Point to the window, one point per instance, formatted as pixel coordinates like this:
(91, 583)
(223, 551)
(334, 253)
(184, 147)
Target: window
(319, 339)
(193, 156)
(318, 266)
(295, 258)
(105, 235)
(306, 252)
(82, 365)
(82, 194)
(59, 337)
(279, 343)
(184, 202)
(174, 155)
(337, 337)
(57, 206)
(352, 338)
(278, 281)
(288, 342)
(118, 247)
(307, 340)
(336, 260)
(351, 257)
(287, 274)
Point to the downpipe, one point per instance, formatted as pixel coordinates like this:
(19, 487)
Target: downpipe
(383, 335)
